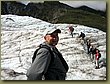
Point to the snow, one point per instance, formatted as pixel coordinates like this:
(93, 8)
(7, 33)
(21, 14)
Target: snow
(20, 36)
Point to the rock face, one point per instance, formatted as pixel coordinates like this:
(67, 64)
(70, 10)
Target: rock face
(12, 7)
(56, 12)
(47, 11)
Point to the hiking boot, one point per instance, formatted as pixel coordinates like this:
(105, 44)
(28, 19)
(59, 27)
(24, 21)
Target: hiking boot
(97, 67)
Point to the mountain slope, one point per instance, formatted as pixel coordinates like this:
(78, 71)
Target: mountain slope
(86, 8)
(56, 12)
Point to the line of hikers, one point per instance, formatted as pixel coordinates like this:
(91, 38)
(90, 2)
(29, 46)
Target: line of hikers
(91, 49)
(94, 53)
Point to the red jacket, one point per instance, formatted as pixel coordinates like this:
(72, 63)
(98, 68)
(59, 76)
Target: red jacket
(97, 55)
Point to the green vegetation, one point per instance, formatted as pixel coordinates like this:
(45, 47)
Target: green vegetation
(84, 18)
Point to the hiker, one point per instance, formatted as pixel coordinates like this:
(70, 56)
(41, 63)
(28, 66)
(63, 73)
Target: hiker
(71, 29)
(97, 56)
(92, 52)
(88, 46)
(82, 35)
(49, 63)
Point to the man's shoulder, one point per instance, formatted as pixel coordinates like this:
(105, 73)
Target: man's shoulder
(44, 47)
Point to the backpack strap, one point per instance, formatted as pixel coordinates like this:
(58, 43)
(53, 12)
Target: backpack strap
(52, 56)
(34, 55)
(43, 46)
(99, 55)
(62, 60)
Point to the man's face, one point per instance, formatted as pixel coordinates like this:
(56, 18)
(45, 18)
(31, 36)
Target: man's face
(52, 39)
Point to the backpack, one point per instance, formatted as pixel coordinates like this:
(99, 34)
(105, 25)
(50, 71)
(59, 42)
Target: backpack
(43, 46)
(71, 28)
(52, 56)
(99, 55)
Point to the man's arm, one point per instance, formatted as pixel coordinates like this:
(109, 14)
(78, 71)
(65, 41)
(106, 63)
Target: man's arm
(40, 65)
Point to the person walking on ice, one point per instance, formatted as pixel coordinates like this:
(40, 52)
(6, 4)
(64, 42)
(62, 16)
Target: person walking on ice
(82, 36)
(92, 52)
(71, 30)
(88, 45)
(97, 56)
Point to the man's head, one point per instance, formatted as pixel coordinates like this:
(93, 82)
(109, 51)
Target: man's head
(51, 35)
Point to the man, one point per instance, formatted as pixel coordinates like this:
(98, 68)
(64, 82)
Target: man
(43, 67)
